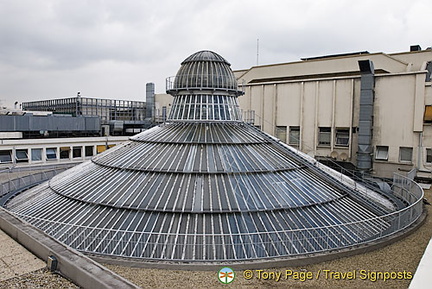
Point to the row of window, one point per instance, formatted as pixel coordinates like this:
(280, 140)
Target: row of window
(342, 136)
(50, 153)
(405, 154)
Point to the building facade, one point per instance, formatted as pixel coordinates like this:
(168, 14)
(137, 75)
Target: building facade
(316, 105)
(116, 116)
(53, 151)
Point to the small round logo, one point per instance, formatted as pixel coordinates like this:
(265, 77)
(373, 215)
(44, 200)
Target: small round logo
(226, 275)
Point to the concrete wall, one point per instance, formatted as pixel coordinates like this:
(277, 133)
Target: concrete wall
(398, 115)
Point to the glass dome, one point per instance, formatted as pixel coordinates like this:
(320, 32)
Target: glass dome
(204, 89)
(208, 190)
(204, 70)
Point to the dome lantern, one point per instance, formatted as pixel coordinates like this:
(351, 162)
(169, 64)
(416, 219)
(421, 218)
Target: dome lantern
(204, 89)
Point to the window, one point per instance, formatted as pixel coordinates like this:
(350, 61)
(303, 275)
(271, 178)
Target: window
(6, 156)
(21, 156)
(324, 136)
(36, 155)
(100, 148)
(281, 133)
(64, 152)
(381, 153)
(405, 154)
(342, 137)
(51, 153)
(76, 152)
(429, 155)
(88, 151)
(428, 114)
(294, 135)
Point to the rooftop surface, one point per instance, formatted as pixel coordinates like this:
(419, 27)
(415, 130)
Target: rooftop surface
(21, 269)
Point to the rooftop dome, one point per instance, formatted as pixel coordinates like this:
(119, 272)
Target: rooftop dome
(204, 70)
(206, 187)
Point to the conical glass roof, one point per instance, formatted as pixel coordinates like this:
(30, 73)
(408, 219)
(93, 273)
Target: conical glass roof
(202, 187)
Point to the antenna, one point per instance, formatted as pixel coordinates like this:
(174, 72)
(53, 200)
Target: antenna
(257, 52)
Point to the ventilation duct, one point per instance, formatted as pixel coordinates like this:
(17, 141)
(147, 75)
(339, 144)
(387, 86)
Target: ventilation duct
(150, 100)
(367, 94)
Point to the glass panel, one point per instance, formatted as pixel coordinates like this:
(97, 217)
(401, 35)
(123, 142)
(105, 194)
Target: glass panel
(428, 114)
(381, 153)
(294, 135)
(51, 153)
(64, 152)
(281, 133)
(342, 137)
(36, 154)
(6, 156)
(405, 154)
(21, 156)
(222, 112)
(88, 151)
(76, 152)
(324, 136)
(100, 148)
(429, 155)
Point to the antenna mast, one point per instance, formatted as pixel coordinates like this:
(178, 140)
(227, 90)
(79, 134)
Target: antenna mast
(257, 63)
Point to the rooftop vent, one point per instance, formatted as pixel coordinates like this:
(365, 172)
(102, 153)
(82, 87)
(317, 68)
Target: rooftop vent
(415, 48)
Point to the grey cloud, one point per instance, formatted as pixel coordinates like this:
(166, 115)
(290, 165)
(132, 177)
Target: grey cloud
(109, 48)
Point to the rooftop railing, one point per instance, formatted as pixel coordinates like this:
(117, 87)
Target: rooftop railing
(226, 247)
(203, 82)
(14, 180)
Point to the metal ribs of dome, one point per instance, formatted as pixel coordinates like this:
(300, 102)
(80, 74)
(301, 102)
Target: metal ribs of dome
(201, 191)
(223, 177)
(205, 55)
(204, 89)
(204, 70)
(198, 192)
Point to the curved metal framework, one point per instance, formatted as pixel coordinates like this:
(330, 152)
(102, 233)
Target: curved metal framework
(207, 190)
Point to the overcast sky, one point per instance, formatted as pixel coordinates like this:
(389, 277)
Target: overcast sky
(112, 48)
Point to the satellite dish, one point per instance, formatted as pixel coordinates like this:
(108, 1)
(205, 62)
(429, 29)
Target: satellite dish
(343, 156)
(334, 154)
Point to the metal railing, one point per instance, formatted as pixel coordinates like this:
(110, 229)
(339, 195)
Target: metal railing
(14, 180)
(203, 82)
(205, 247)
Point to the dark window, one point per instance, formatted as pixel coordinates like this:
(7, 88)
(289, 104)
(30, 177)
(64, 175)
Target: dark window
(281, 132)
(429, 155)
(324, 136)
(64, 152)
(76, 152)
(294, 135)
(6, 156)
(342, 137)
(51, 153)
(21, 156)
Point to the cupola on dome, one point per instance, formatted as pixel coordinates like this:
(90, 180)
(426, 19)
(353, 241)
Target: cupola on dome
(205, 70)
